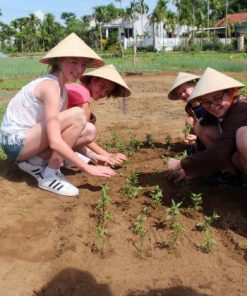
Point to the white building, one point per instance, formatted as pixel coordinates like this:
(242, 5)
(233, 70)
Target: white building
(143, 33)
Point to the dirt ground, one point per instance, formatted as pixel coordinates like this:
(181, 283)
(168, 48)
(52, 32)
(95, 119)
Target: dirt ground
(50, 246)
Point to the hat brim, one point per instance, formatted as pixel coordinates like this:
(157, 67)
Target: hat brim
(212, 81)
(109, 72)
(181, 79)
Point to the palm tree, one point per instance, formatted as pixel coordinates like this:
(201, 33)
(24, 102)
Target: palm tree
(100, 14)
(142, 8)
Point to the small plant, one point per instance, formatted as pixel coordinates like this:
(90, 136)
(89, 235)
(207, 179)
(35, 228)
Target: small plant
(208, 221)
(168, 142)
(103, 203)
(173, 212)
(208, 242)
(149, 141)
(165, 158)
(138, 227)
(176, 234)
(156, 196)
(197, 203)
(134, 144)
(186, 130)
(115, 144)
(181, 155)
(102, 238)
(131, 187)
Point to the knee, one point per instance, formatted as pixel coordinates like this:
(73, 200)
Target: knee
(241, 139)
(90, 131)
(78, 117)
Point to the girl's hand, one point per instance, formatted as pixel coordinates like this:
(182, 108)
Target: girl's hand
(190, 138)
(99, 171)
(101, 160)
(174, 164)
(180, 175)
(117, 158)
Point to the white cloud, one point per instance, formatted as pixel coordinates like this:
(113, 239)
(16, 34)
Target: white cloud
(39, 14)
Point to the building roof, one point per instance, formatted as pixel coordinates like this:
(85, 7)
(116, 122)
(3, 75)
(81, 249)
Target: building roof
(231, 19)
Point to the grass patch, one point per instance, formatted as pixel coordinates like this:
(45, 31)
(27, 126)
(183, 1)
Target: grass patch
(13, 84)
(30, 66)
(244, 89)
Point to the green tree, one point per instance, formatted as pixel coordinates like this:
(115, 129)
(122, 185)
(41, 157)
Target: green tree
(142, 8)
(100, 15)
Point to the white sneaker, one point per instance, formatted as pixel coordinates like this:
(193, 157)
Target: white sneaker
(58, 184)
(35, 171)
(84, 158)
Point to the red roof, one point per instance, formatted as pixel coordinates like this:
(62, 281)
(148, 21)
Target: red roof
(231, 19)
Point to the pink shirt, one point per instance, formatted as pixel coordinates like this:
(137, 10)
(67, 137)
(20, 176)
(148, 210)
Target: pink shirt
(78, 94)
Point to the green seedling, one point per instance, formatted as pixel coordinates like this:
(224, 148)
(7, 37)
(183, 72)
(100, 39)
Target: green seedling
(168, 142)
(176, 234)
(131, 186)
(208, 242)
(197, 203)
(208, 221)
(102, 204)
(134, 144)
(186, 130)
(181, 155)
(173, 212)
(102, 238)
(115, 144)
(118, 143)
(149, 141)
(165, 158)
(138, 227)
(156, 196)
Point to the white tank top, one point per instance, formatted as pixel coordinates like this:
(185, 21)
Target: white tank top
(24, 110)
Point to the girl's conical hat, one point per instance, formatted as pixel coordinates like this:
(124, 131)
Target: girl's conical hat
(181, 78)
(73, 46)
(212, 81)
(109, 72)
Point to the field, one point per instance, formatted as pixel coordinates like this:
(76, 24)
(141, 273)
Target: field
(58, 246)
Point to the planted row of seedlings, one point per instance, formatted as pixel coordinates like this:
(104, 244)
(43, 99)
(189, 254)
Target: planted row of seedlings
(132, 189)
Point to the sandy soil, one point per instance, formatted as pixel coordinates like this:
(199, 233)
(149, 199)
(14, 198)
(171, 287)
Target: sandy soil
(50, 246)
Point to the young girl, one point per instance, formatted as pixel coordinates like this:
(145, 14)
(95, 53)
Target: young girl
(217, 93)
(97, 84)
(182, 88)
(36, 128)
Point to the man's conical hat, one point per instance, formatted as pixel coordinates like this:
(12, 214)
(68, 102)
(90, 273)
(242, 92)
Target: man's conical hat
(212, 81)
(181, 78)
(73, 46)
(110, 73)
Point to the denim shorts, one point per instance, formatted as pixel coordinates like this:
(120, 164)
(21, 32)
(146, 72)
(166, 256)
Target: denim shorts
(12, 144)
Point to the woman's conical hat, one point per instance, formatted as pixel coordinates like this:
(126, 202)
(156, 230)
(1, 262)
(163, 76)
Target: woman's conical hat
(73, 46)
(109, 72)
(212, 81)
(181, 78)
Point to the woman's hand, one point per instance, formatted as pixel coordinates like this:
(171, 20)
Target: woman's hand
(117, 158)
(190, 138)
(99, 171)
(174, 164)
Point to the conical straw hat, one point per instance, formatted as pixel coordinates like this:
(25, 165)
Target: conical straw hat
(109, 72)
(73, 46)
(181, 78)
(212, 81)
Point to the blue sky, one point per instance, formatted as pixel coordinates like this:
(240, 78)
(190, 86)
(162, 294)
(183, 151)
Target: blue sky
(12, 9)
